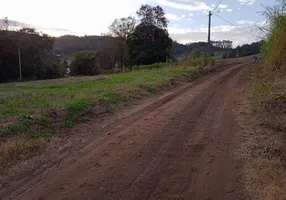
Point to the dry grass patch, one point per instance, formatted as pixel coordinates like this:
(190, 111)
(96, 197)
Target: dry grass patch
(263, 150)
(19, 148)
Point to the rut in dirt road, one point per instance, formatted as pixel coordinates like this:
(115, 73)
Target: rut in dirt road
(181, 148)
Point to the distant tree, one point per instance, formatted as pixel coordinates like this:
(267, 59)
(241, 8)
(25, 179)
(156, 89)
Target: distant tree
(36, 55)
(4, 24)
(149, 44)
(29, 31)
(155, 16)
(86, 63)
(222, 44)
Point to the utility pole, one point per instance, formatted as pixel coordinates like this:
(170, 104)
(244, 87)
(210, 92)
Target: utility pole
(209, 34)
(20, 63)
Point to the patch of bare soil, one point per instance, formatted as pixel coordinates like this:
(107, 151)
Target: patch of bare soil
(178, 146)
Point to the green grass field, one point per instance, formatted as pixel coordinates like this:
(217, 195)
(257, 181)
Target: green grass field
(28, 98)
(32, 111)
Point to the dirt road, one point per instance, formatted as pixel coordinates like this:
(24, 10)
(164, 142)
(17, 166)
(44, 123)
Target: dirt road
(180, 147)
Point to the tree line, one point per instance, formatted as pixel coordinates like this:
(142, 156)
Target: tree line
(31, 49)
(128, 43)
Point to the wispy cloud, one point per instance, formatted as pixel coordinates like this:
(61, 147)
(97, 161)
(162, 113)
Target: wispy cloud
(184, 4)
(244, 22)
(246, 2)
(222, 6)
(174, 17)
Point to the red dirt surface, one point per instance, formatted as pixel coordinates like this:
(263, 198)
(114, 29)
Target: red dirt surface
(178, 147)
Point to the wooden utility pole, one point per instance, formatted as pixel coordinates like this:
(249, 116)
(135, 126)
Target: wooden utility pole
(209, 34)
(20, 63)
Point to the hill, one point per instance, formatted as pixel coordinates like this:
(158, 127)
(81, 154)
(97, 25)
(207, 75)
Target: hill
(70, 44)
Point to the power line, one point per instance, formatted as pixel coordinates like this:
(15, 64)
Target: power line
(218, 4)
(237, 26)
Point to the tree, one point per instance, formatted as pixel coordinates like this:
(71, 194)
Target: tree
(36, 55)
(5, 23)
(152, 16)
(149, 44)
(150, 41)
(122, 28)
(29, 31)
(224, 44)
(86, 63)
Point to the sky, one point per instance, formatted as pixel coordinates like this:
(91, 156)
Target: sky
(234, 20)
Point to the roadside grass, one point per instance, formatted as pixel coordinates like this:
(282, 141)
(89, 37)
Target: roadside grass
(263, 149)
(19, 148)
(61, 96)
(31, 112)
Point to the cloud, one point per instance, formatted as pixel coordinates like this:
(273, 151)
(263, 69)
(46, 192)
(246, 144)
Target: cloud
(228, 10)
(191, 14)
(174, 17)
(184, 4)
(83, 17)
(244, 22)
(246, 2)
(221, 32)
(222, 6)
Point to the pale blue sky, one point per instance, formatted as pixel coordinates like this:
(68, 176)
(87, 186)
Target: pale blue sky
(188, 18)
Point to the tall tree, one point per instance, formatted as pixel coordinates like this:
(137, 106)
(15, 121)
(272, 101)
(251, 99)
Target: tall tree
(153, 16)
(149, 44)
(122, 28)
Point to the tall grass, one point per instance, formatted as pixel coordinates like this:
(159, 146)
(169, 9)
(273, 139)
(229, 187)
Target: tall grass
(264, 141)
(197, 59)
(274, 48)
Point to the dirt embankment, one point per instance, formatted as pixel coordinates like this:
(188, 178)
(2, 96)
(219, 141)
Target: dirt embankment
(178, 147)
